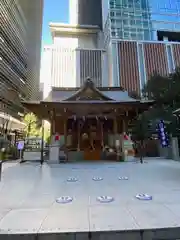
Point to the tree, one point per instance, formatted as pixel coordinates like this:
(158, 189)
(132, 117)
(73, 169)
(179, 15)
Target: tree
(31, 125)
(140, 132)
(157, 88)
(165, 91)
(174, 91)
(46, 132)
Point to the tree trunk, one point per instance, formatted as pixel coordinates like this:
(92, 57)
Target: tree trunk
(141, 151)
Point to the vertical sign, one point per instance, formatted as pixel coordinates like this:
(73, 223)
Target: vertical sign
(162, 134)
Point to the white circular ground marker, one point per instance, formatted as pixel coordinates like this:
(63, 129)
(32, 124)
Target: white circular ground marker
(105, 199)
(144, 197)
(97, 179)
(123, 178)
(72, 179)
(64, 199)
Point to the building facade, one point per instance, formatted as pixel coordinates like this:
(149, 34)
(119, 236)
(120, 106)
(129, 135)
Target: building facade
(142, 19)
(133, 62)
(87, 12)
(20, 45)
(74, 55)
(140, 37)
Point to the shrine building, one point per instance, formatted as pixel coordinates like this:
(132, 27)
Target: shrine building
(86, 120)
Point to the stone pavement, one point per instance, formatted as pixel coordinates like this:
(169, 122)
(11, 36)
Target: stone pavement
(28, 206)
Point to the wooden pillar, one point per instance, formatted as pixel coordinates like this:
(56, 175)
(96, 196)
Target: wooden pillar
(124, 125)
(115, 125)
(53, 127)
(91, 135)
(137, 112)
(125, 122)
(115, 130)
(102, 134)
(79, 135)
(65, 131)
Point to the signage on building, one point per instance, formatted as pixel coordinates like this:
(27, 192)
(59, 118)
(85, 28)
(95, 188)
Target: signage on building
(20, 145)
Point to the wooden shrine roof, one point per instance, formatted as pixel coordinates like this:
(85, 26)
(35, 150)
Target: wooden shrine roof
(115, 94)
(85, 100)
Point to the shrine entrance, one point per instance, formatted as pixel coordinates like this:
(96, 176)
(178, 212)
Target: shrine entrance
(91, 139)
(89, 135)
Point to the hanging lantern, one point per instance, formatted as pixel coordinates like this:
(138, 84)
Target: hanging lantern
(126, 137)
(57, 137)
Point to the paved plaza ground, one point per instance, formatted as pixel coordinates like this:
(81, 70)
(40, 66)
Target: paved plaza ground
(28, 194)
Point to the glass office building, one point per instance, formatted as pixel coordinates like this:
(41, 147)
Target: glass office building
(20, 46)
(145, 19)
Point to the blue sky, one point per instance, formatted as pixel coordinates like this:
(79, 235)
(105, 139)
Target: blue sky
(54, 11)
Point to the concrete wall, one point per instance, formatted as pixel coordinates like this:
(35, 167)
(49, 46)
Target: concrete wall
(46, 71)
(77, 41)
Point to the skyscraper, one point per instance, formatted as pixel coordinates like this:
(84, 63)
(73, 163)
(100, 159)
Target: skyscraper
(86, 12)
(142, 19)
(140, 37)
(20, 46)
(130, 19)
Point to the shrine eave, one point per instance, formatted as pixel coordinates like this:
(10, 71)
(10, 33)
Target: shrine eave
(94, 102)
(42, 109)
(88, 99)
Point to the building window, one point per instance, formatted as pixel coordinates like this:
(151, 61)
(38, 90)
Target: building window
(113, 33)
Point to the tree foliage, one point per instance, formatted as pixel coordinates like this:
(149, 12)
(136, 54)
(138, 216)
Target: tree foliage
(141, 127)
(46, 132)
(140, 132)
(165, 91)
(32, 128)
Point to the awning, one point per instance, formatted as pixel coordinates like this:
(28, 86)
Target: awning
(12, 123)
